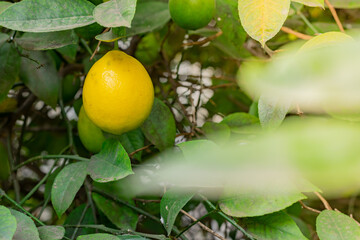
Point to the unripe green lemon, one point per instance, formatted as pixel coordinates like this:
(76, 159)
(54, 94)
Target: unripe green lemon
(70, 86)
(90, 135)
(192, 14)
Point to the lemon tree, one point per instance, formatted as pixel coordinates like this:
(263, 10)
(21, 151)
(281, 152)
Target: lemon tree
(139, 119)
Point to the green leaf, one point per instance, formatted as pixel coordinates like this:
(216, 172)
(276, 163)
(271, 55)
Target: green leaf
(217, 132)
(190, 147)
(67, 183)
(111, 163)
(97, 236)
(112, 35)
(171, 204)
(131, 237)
(9, 68)
(7, 224)
(279, 226)
(69, 52)
(4, 6)
(233, 37)
(160, 127)
(311, 3)
(238, 120)
(49, 182)
(47, 16)
(3, 38)
(132, 141)
(51, 232)
(42, 77)
(45, 41)
(271, 112)
(332, 225)
(26, 228)
(262, 19)
(326, 40)
(149, 15)
(122, 216)
(77, 216)
(256, 203)
(346, 4)
(115, 13)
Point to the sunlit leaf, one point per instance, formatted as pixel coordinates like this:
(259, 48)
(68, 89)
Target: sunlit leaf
(311, 3)
(262, 19)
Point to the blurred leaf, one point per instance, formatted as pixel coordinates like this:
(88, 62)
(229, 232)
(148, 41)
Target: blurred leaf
(120, 215)
(254, 109)
(326, 40)
(97, 236)
(233, 37)
(271, 112)
(76, 216)
(47, 16)
(332, 225)
(7, 224)
(217, 132)
(42, 77)
(277, 226)
(258, 203)
(51, 232)
(160, 127)
(262, 19)
(147, 51)
(26, 228)
(240, 119)
(190, 147)
(132, 141)
(111, 163)
(8, 105)
(345, 3)
(9, 68)
(171, 204)
(49, 40)
(311, 3)
(115, 13)
(67, 183)
(4, 163)
(4, 5)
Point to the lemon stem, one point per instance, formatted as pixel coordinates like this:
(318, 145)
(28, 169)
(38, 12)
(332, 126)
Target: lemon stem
(116, 45)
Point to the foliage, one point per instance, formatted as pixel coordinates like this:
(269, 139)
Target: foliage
(254, 126)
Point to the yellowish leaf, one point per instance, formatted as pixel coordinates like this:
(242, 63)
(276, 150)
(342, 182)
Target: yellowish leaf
(311, 3)
(262, 19)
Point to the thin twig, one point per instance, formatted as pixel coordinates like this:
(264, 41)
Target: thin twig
(140, 149)
(297, 34)
(203, 226)
(323, 200)
(309, 208)
(206, 40)
(335, 16)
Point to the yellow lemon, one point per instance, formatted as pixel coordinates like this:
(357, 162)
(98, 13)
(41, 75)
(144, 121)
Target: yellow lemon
(118, 93)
